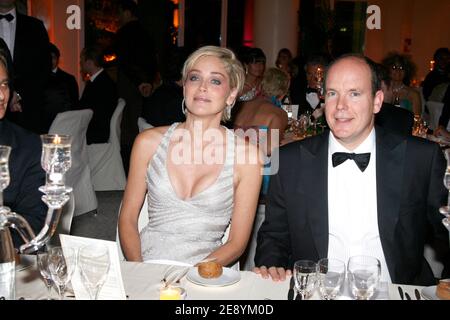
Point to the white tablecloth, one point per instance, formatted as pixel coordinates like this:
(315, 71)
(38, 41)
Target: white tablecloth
(142, 282)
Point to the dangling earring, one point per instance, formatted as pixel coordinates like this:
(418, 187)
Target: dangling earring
(183, 107)
(228, 111)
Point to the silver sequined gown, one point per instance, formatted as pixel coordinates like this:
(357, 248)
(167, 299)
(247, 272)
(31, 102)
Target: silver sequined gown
(185, 230)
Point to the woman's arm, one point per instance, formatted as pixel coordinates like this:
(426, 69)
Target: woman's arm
(248, 179)
(143, 149)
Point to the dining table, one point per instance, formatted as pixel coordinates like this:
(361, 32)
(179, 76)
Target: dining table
(143, 281)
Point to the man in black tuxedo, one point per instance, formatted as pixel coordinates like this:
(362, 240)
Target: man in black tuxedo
(61, 93)
(357, 190)
(28, 42)
(26, 174)
(136, 71)
(99, 94)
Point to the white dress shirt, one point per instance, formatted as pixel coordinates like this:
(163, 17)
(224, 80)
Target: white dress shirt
(95, 75)
(352, 206)
(8, 31)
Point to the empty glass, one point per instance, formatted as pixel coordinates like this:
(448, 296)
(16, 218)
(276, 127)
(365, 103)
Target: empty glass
(363, 276)
(42, 263)
(305, 276)
(62, 264)
(331, 275)
(5, 151)
(94, 265)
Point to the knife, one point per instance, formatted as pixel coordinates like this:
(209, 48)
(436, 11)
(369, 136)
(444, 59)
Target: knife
(417, 293)
(291, 289)
(407, 296)
(400, 291)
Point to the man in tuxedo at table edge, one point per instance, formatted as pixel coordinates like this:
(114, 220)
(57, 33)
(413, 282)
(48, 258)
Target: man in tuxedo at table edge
(325, 201)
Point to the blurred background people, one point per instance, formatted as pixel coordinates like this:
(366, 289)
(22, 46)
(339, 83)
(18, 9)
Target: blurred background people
(390, 117)
(439, 75)
(27, 40)
(399, 93)
(163, 107)
(254, 62)
(136, 71)
(61, 93)
(99, 94)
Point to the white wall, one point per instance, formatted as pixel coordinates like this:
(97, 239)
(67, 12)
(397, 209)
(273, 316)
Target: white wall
(276, 27)
(70, 42)
(425, 22)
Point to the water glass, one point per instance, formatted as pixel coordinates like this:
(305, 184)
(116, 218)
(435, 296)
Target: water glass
(5, 151)
(305, 276)
(94, 263)
(42, 260)
(363, 276)
(331, 275)
(62, 264)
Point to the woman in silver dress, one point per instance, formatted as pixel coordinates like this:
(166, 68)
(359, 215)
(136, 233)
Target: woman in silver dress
(198, 177)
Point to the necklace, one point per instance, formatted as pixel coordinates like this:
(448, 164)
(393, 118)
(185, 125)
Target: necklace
(398, 89)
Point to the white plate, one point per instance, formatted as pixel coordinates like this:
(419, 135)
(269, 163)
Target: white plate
(429, 293)
(228, 277)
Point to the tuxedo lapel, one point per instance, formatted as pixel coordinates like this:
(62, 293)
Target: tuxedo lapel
(314, 187)
(390, 161)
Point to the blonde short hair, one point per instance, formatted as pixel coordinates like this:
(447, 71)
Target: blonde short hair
(275, 82)
(232, 65)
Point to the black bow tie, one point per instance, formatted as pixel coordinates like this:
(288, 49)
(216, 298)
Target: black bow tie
(361, 159)
(9, 17)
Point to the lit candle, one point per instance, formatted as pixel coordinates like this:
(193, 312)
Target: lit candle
(170, 293)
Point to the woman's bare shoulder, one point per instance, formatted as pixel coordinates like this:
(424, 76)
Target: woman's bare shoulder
(151, 138)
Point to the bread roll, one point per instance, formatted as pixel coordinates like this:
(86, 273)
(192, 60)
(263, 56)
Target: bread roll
(443, 289)
(210, 270)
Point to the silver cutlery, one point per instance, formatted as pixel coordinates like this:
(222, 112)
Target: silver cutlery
(291, 289)
(400, 292)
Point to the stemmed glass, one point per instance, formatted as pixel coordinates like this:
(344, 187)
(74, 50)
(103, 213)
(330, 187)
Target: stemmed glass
(363, 275)
(62, 264)
(42, 259)
(331, 275)
(94, 265)
(305, 276)
(5, 151)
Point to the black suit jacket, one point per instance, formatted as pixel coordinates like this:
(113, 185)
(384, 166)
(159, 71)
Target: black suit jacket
(395, 119)
(32, 67)
(61, 95)
(409, 194)
(100, 96)
(26, 176)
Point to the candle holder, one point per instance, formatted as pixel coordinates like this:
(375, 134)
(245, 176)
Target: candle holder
(56, 160)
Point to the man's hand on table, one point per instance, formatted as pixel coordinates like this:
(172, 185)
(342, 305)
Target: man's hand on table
(277, 274)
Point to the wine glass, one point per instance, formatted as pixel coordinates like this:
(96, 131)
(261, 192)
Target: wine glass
(331, 275)
(445, 210)
(5, 151)
(62, 264)
(364, 274)
(94, 265)
(305, 276)
(42, 259)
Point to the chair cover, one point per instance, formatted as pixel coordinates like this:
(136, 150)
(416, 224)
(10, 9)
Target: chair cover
(105, 159)
(435, 109)
(78, 177)
(143, 124)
